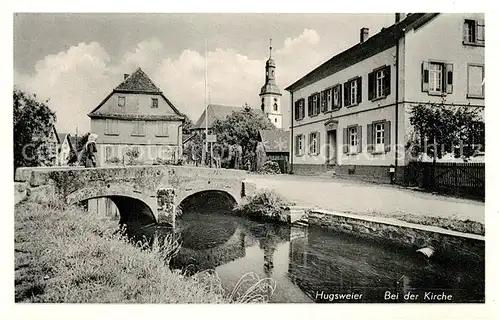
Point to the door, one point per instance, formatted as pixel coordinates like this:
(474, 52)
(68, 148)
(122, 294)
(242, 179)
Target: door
(332, 147)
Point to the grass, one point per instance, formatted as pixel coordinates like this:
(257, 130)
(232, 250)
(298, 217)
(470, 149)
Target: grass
(63, 254)
(454, 224)
(265, 205)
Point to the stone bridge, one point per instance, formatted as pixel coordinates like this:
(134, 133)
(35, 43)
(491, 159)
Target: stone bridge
(145, 193)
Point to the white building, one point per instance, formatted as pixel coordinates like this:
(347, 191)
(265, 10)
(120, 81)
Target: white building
(351, 114)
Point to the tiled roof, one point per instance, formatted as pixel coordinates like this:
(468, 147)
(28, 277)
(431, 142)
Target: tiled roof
(138, 82)
(61, 136)
(215, 111)
(379, 42)
(275, 140)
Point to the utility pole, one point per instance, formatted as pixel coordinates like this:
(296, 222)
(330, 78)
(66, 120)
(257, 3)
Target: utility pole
(206, 102)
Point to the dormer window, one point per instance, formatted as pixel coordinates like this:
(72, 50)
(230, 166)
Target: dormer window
(121, 101)
(154, 102)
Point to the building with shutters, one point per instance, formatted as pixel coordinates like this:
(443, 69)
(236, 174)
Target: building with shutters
(137, 116)
(352, 113)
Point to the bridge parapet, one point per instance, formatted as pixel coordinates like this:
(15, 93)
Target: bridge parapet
(138, 182)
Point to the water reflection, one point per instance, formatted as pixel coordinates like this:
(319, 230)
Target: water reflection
(307, 261)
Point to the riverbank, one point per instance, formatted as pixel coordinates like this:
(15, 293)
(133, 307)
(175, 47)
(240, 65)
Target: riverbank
(63, 254)
(377, 200)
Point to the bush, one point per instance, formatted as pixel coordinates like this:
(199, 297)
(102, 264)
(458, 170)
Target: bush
(114, 160)
(266, 205)
(270, 167)
(168, 162)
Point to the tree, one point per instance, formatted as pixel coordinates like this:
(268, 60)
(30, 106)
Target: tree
(33, 125)
(187, 125)
(242, 129)
(440, 129)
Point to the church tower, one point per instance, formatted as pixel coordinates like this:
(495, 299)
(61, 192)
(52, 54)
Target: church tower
(270, 94)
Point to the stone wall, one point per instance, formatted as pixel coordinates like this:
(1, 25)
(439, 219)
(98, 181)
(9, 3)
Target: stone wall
(446, 242)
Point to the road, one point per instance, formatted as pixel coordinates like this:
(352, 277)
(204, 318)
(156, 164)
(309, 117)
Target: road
(367, 198)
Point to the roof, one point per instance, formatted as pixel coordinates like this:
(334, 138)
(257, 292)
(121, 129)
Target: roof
(187, 136)
(138, 81)
(215, 112)
(275, 140)
(379, 42)
(71, 138)
(61, 137)
(55, 134)
(270, 88)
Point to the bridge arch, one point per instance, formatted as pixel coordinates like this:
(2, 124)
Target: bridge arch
(208, 200)
(133, 206)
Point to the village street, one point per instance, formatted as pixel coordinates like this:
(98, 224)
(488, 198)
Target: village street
(367, 198)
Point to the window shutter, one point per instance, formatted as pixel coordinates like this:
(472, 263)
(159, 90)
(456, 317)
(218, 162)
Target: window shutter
(425, 76)
(387, 136)
(359, 90)
(318, 144)
(480, 31)
(371, 85)
(449, 78)
(340, 96)
(369, 137)
(387, 81)
(360, 139)
(310, 143)
(346, 94)
(309, 106)
(323, 101)
(345, 141)
(296, 110)
(296, 145)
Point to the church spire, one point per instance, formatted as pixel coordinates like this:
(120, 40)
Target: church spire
(270, 47)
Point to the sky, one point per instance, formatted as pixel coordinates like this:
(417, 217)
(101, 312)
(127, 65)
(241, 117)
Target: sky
(75, 60)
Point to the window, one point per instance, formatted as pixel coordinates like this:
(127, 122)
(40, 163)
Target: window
(275, 107)
(154, 102)
(314, 143)
(379, 83)
(262, 104)
(437, 77)
(379, 136)
(138, 128)
(337, 97)
(473, 32)
(299, 109)
(352, 139)
(275, 119)
(299, 144)
(110, 152)
(111, 127)
(121, 101)
(475, 81)
(162, 129)
(352, 92)
(313, 107)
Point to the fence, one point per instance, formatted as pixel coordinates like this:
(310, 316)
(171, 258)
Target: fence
(463, 179)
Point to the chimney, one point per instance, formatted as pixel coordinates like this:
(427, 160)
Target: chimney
(125, 76)
(363, 34)
(400, 17)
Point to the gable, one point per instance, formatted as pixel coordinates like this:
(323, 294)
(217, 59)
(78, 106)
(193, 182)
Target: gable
(137, 92)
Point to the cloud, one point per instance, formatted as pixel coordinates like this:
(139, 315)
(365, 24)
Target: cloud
(77, 79)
